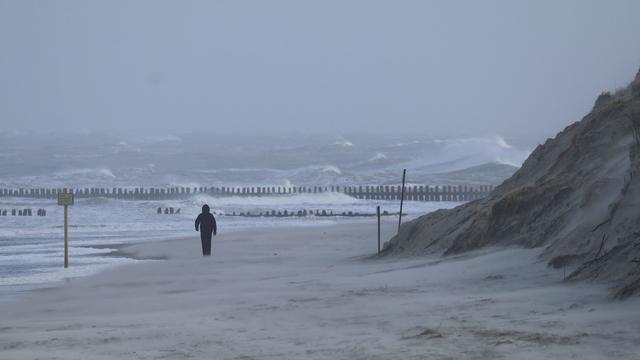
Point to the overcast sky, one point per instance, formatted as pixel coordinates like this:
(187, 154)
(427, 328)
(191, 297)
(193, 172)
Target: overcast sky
(433, 67)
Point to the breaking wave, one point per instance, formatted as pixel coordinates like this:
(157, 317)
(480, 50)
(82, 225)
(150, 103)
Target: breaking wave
(87, 173)
(344, 143)
(378, 156)
(295, 200)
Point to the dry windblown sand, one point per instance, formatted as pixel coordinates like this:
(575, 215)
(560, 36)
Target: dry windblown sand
(308, 293)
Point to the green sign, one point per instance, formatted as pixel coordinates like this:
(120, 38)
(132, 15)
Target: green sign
(65, 199)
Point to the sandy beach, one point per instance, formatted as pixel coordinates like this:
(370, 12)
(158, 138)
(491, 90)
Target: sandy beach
(315, 293)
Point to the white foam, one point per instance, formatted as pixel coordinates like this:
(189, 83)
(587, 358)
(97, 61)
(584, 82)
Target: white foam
(344, 143)
(378, 156)
(331, 169)
(326, 198)
(503, 143)
(123, 146)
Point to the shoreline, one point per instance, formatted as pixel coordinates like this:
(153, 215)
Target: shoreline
(301, 292)
(123, 250)
(119, 250)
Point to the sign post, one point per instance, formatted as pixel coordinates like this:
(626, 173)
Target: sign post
(65, 199)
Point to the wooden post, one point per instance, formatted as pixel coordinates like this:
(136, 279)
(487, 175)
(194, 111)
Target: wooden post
(378, 213)
(404, 174)
(66, 236)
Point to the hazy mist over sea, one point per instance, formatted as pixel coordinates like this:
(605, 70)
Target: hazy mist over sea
(102, 160)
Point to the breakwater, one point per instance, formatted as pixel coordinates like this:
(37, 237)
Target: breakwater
(369, 192)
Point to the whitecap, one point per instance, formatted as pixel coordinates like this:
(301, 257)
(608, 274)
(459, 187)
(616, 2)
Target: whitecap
(331, 169)
(378, 156)
(502, 143)
(344, 142)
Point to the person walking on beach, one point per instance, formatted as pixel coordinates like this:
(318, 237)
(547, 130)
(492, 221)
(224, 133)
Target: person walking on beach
(206, 224)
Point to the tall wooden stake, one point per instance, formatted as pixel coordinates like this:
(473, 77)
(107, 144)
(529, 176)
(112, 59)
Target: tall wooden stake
(404, 174)
(378, 212)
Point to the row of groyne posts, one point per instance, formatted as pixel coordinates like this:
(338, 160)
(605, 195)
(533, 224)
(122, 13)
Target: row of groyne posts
(304, 213)
(22, 212)
(369, 192)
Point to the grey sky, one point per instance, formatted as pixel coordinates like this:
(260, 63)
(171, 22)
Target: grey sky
(434, 67)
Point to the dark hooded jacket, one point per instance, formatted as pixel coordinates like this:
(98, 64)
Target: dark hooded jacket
(205, 222)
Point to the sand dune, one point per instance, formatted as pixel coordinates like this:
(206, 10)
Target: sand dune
(576, 195)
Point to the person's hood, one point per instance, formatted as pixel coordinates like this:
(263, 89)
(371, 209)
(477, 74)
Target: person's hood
(205, 209)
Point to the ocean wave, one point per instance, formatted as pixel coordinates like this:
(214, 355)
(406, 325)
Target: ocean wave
(501, 142)
(319, 163)
(240, 170)
(274, 177)
(331, 169)
(344, 143)
(445, 155)
(98, 172)
(378, 156)
(327, 198)
(162, 138)
(124, 147)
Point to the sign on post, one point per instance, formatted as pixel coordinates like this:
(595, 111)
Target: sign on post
(66, 199)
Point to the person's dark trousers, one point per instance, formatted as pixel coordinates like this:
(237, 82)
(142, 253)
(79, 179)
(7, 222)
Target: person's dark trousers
(206, 244)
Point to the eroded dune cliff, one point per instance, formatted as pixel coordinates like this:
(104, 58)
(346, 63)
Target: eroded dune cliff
(577, 195)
